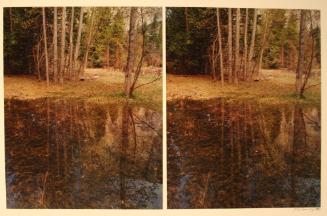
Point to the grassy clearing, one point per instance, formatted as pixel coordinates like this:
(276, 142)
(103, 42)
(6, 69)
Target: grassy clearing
(277, 88)
(101, 86)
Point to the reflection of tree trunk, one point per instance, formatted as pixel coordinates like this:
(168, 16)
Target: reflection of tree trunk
(232, 163)
(123, 153)
(222, 128)
(238, 147)
(264, 133)
(205, 190)
(299, 140)
(134, 133)
(299, 146)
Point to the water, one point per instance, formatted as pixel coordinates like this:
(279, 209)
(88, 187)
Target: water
(72, 154)
(242, 155)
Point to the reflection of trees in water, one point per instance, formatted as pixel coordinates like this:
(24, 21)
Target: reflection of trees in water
(235, 154)
(68, 154)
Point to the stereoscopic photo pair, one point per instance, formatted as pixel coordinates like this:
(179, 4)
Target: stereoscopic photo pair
(83, 102)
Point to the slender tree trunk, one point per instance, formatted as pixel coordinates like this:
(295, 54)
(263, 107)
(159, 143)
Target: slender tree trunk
(38, 60)
(251, 52)
(62, 48)
(71, 45)
(213, 59)
(117, 55)
(89, 39)
(301, 56)
(10, 20)
(283, 40)
(108, 55)
(245, 54)
(186, 19)
(263, 46)
(78, 42)
(230, 45)
(55, 44)
(131, 52)
(221, 61)
(45, 46)
(237, 46)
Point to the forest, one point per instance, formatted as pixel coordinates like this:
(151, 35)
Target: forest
(235, 45)
(82, 106)
(60, 45)
(243, 108)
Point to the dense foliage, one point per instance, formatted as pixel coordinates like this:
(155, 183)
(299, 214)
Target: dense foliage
(191, 33)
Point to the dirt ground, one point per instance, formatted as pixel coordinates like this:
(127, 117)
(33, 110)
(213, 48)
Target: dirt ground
(276, 86)
(99, 85)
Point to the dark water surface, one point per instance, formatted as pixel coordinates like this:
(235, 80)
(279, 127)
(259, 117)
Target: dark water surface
(238, 154)
(72, 154)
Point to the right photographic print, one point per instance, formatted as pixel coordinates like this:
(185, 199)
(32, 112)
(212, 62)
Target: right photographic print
(243, 107)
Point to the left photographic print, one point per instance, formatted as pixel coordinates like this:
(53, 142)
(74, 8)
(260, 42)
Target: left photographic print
(83, 107)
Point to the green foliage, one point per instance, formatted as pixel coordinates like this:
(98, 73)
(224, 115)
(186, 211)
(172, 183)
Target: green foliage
(21, 32)
(187, 48)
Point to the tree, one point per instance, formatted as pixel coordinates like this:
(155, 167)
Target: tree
(131, 52)
(55, 45)
(230, 45)
(220, 49)
(78, 42)
(302, 75)
(263, 45)
(237, 46)
(62, 46)
(45, 46)
(71, 45)
(245, 51)
(88, 43)
(251, 51)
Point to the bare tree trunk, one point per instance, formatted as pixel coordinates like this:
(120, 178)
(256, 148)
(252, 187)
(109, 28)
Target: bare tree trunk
(38, 60)
(283, 38)
(263, 46)
(71, 45)
(10, 20)
(55, 44)
(117, 55)
(62, 48)
(230, 45)
(88, 44)
(45, 47)
(220, 49)
(108, 56)
(78, 42)
(301, 56)
(245, 54)
(186, 19)
(213, 59)
(131, 52)
(251, 52)
(237, 46)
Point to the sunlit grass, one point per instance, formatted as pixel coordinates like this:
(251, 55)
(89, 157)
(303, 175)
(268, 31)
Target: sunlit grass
(277, 88)
(101, 86)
